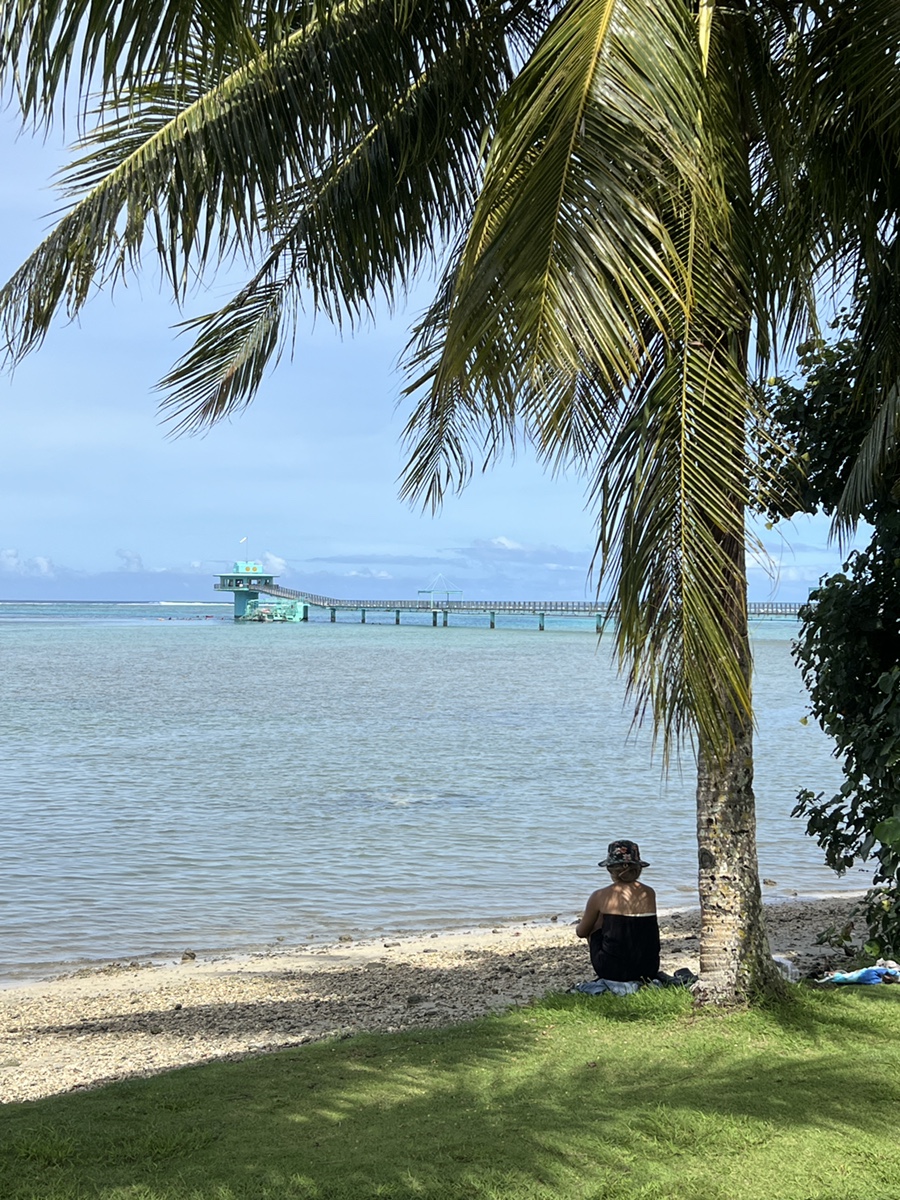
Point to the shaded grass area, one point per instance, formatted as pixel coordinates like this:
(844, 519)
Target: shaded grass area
(575, 1097)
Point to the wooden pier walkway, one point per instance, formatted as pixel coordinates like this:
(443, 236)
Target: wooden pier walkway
(541, 609)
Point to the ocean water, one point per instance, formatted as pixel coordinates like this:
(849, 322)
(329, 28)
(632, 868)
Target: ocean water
(169, 779)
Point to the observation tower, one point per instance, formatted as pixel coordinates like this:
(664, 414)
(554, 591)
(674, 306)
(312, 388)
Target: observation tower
(244, 580)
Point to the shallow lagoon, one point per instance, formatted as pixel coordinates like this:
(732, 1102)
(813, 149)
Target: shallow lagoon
(192, 782)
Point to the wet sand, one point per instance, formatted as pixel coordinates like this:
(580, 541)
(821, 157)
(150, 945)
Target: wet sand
(126, 1020)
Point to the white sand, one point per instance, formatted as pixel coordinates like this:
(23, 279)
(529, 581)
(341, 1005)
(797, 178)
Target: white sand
(119, 1021)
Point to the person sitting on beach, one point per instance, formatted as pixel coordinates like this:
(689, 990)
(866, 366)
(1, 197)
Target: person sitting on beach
(620, 921)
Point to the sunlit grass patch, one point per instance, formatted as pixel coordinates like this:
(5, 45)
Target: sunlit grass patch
(575, 1098)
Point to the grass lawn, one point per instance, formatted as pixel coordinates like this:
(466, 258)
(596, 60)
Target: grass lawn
(575, 1098)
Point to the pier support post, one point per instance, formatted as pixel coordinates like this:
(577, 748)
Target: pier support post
(599, 622)
(362, 619)
(540, 622)
(446, 614)
(396, 616)
(242, 603)
(304, 613)
(493, 620)
(333, 615)
(434, 618)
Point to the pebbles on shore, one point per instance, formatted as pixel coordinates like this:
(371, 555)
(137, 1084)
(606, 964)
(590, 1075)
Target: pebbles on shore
(115, 1022)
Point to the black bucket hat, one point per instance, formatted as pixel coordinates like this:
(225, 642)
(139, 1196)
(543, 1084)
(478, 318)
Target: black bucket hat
(623, 854)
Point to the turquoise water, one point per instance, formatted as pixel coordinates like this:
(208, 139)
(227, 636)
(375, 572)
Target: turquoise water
(171, 779)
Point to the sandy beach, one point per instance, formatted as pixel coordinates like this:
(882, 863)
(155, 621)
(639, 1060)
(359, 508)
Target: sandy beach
(132, 1019)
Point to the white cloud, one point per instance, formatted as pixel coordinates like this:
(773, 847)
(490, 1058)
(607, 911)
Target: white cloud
(505, 543)
(12, 563)
(131, 560)
(273, 564)
(367, 574)
(809, 574)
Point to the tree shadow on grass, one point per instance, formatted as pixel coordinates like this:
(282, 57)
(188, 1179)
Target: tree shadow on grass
(815, 1013)
(564, 1100)
(824, 1013)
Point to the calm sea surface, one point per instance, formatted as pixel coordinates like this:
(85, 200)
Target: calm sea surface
(169, 779)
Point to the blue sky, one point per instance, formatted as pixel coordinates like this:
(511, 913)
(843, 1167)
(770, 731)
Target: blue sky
(97, 502)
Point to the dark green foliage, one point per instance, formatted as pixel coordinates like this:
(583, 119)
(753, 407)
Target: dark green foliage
(807, 465)
(849, 654)
(848, 650)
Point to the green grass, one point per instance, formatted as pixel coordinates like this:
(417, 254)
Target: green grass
(576, 1098)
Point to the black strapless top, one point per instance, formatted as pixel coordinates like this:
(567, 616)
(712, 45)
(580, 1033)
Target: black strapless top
(626, 948)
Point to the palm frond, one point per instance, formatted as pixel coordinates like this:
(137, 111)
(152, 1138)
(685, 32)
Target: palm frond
(450, 424)
(50, 47)
(359, 226)
(600, 307)
(878, 455)
(567, 263)
(850, 91)
(670, 491)
(233, 348)
(756, 63)
(207, 175)
(53, 48)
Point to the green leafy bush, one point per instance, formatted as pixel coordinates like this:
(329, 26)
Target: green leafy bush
(849, 654)
(848, 650)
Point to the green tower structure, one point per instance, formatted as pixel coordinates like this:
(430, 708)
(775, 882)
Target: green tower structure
(244, 581)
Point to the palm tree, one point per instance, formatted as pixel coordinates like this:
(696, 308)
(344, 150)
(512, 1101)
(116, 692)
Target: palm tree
(632, 206)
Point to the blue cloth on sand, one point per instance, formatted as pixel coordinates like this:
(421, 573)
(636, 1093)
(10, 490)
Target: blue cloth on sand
(866, 975)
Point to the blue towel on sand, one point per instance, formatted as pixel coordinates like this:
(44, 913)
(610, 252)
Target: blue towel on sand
(866, 975)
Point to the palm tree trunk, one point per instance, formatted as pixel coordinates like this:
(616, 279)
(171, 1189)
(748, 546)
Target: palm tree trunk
(735, 960)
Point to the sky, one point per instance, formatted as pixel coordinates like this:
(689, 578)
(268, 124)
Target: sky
(98, 501)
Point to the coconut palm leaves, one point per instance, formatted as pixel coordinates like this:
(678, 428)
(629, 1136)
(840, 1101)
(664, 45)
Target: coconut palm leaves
(851, 93)
(631, 197)
(114, 46)
(600, 307)
(349, 168)
(365, 220)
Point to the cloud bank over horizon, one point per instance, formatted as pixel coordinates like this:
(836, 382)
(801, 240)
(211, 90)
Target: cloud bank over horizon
(498, 567)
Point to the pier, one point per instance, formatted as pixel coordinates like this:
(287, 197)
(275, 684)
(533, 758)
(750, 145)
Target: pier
(247, 582)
